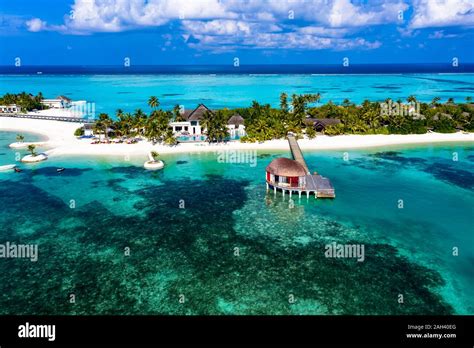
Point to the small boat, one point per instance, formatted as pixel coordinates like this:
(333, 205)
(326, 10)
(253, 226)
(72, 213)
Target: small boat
(59, 170)
(18, 170)
(7, 167)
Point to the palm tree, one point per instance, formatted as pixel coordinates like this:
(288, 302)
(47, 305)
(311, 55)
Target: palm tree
(178, 117)
(346, 102)
(39, 97)
(469, 99)
(411, 99)
(31, 149)
(153, 102)
(105, 122)
(284, 102)
(139, 121)
(124, 124)
(215, 125)
(20, 138)
(450, 101)
(152, 129)
(169, 137)
(155, 155)
(434, 101)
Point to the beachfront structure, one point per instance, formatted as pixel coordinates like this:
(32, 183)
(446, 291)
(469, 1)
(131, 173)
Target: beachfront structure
(10, 109)
(61, 102)
(286, 173)
(236, 126)
(320, 124)
(88, 129)
(293, 176)
(191, 123)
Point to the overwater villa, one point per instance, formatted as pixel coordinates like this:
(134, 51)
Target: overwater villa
(192, 128)
(293, 176)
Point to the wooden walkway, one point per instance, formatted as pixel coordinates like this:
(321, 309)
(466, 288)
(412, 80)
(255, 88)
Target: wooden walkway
(316, 184)
(50, 118)
(296, 152)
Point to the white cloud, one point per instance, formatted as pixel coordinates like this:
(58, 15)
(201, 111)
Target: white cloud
(440, 34)
(223, 27)
(323, 31)
(439, 13)
(343, 13)
(120, 15)
(36, 24)
(229, 24)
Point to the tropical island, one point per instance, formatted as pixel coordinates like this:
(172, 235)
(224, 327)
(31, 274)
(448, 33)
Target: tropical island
(317, 125)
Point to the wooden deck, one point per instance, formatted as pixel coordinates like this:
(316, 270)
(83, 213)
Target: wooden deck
(296, 152)
(316, 185)
(320, 185)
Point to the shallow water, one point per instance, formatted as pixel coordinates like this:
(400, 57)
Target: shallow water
(129, 92)
(184, 223)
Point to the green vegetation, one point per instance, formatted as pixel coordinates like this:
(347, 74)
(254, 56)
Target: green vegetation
(79, 132)
(310, 132)
(31, 149)
(215, 125)
(296, 115)
(20, 138)
(155, 155)
(26, 102)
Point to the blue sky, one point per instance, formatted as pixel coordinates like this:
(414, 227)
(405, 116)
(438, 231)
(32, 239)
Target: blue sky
(97, 32)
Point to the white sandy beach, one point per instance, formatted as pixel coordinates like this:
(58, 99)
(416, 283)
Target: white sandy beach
(61, 141)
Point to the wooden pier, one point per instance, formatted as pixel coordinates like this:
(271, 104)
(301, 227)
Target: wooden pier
(49, 118)
(296, 152)
(307, 183)
(314, 182)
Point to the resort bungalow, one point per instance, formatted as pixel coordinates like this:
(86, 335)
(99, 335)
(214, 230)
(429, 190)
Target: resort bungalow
(61, 102)
(191, 123)
(10, 109)
(293, 175)
(286, 173)
(236, 126)
(320, 124)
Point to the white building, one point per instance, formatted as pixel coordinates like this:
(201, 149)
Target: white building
(191, 125)
(12, 108)
(61, 102)
(236, 126)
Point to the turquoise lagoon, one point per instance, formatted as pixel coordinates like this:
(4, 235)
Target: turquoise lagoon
(129, 92)
(190, 250)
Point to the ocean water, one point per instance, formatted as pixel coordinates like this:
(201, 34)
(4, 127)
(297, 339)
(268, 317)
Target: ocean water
(130, 92)
(184, 223)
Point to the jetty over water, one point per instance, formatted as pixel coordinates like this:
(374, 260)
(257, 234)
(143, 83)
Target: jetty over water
(296, 152)
(50, 118)
(294, 176)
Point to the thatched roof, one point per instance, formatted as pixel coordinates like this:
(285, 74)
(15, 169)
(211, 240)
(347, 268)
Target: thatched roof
(323, 121)
(236, 120)
(196, 114)
(285, 167)
(62, 97)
